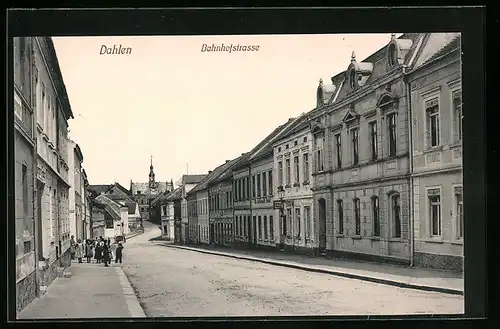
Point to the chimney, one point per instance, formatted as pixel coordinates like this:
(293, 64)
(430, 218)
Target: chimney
(227, 161)
(210, 171)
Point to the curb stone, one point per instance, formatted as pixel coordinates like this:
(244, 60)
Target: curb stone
(331, 272)
(134, 307)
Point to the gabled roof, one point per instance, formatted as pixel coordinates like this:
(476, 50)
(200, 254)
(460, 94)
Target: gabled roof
(213, 176)
(121, 187)
(175, 194)
(192, 179)
(112, 206)
(98, 189)
(448, 43)
(226, 172)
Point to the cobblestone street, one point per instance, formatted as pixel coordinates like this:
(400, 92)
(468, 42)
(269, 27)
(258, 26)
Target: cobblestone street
(175, 282)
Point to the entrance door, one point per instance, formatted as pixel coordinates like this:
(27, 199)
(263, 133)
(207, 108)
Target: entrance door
(39, 233)
(322, 224)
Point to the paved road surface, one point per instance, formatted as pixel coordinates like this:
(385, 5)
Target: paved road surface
(174, 282)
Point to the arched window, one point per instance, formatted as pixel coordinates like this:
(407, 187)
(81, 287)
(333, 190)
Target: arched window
(392, 55)
(357, 217)
(376, 216)
(352, 78)
(340, 211)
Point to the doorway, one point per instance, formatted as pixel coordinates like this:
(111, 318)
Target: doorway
(322, 224)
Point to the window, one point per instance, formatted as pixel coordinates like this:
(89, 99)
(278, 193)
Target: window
(25, 182)
(264, 184)
(241, 226)
(289, 221)
(305, 139)
(288, 172)
(459, 211)
(357, 217)
(265, 228)
(260, 227)
(355, 146)
(280, 173)
(297, 221)
(392, 55)
(352, 78)
(226, 200)
(434, 211)
(375, 214)
(338, 147)
(432, 117)
(296, 169)
(295, 143)
(320, 164)
(457, 115)
(42, 108)
(391, 126)
(18, 106)
(270, 180)
(230, 199)
(373, 140)
(245, 225)
(164, 210)
(271, 228)
(340, 210)
(258, 185)
(396, 215)
(307, 222)
(253, 186)
(305, 166)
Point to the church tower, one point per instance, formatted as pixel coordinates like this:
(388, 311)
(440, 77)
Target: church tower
(152, 183)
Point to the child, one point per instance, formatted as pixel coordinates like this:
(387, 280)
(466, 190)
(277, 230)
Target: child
(119, 253)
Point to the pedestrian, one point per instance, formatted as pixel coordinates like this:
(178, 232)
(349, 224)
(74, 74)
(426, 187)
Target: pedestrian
(119, 253)
(79, 250)
(72, 245)
(90, 250)
(98, 252)
(105, 254)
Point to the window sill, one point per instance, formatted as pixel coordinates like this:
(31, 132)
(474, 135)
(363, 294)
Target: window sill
(356, 237)
(305, 183)
(438, 239)
(396, 240)
(459, 242)
(296, 184)
(433, 149)
(456, 144)
(375, 238)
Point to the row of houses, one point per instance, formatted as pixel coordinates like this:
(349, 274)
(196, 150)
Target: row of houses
(374, 171)
(51, 200)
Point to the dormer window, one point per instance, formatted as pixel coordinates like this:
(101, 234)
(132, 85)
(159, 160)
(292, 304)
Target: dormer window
(392, 53)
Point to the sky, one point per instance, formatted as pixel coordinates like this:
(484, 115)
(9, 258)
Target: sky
(191, 110)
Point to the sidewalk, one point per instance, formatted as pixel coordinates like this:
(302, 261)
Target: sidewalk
(93, 291)
(401, 276)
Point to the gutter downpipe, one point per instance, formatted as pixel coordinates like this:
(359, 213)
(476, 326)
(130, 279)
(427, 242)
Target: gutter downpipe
(410, 161)
(250, 196)
(34, 170)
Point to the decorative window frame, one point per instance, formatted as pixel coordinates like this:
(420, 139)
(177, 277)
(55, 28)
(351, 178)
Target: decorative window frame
(351, 148)
(390, 215)
(377, 148)
(372, 211)
(430, 237)
(455, 225)
(354, 235)
(433, 93)
(337, 216)
(454, 86)
(387, 143)
(336, 150)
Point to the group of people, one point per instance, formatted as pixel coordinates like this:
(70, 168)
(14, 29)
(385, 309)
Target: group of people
(98, 249)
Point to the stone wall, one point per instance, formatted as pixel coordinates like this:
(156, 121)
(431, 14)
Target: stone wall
(25, 291)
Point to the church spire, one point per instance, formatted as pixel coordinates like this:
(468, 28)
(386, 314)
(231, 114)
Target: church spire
(151, 174)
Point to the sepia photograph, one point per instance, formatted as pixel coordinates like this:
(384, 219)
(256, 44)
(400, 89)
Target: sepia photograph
(238, 175)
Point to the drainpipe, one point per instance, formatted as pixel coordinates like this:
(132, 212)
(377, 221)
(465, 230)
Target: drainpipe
(34, 171)
(250, 196)
(410, 162)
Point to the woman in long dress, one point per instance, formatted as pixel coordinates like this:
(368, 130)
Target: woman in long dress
(79, 251)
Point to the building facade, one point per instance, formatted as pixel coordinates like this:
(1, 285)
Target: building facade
(87, 212)
(192, 209)
(52, 188)
(434, 85)
(188, 182)
(168, 215)
(241, 203)
(297, 231)
(24, 172)
(175, 215)
(76, 204)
